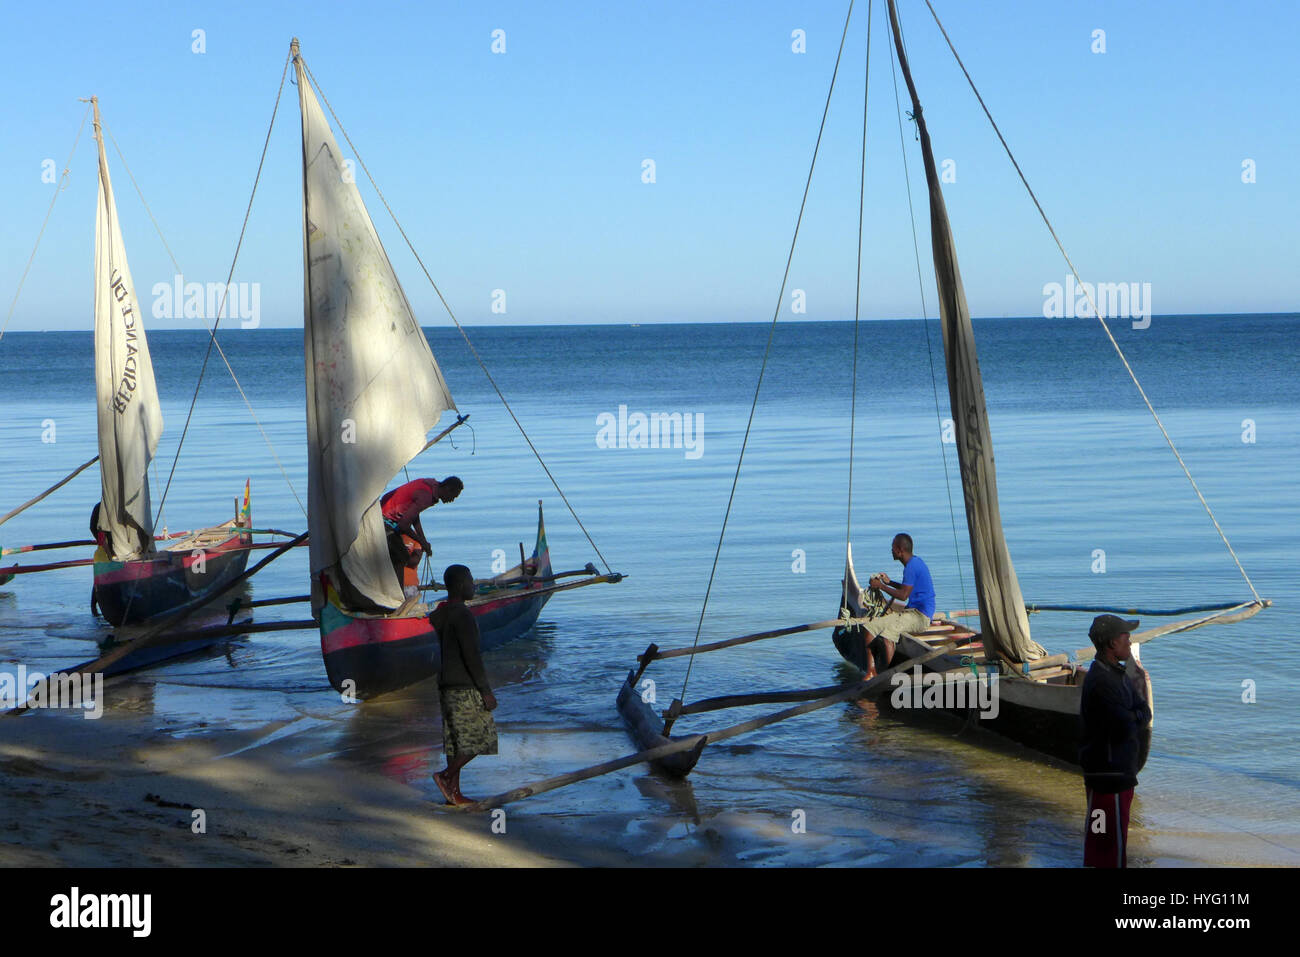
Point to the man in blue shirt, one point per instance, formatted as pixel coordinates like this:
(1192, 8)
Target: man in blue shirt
(916, 588)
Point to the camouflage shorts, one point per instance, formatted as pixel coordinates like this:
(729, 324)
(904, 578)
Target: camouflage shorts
(467, 725)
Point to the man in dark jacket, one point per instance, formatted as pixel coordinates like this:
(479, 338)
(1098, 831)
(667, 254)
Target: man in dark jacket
(1115, 714)
(467, 699)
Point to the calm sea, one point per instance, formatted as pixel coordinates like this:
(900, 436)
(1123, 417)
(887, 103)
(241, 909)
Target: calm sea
(1095, 507)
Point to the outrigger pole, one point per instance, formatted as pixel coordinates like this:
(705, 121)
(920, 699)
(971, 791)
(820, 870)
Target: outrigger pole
(1239, 612)
(53, 488)
(79, 562)
(875, 686)
(152, 636)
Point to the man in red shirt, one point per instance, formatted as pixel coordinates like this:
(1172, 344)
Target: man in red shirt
(401, 510)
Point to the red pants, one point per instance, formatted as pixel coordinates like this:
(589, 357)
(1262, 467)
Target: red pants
(1105, 834)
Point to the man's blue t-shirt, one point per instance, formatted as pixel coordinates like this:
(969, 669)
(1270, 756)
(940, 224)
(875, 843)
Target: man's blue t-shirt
(917, 574)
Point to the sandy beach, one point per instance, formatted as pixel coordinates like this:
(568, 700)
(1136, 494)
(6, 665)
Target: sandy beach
(120, 794)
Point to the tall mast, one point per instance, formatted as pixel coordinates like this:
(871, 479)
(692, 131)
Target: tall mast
(1003, 621)
(374, 389)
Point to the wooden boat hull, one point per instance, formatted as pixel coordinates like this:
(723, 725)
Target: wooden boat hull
(367, 656)
(1041, 715)
(174, 579)
(646, 728)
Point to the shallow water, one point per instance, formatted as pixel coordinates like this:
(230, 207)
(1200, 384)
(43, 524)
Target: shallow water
(1081, 467)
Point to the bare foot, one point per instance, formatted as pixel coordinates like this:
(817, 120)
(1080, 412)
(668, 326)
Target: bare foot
(459, 799)
(445, 788)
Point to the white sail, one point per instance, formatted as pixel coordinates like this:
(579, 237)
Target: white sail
(1003, 621)
(374, 389)
(130, 419)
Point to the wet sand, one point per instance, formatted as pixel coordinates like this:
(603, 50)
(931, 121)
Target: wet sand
(105, 794)
(121, 792)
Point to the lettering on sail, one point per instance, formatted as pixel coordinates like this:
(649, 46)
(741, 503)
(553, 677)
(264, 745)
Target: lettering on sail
(126, 387)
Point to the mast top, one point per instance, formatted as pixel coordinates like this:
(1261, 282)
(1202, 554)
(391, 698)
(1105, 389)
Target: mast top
(95, 120)
(293, 48)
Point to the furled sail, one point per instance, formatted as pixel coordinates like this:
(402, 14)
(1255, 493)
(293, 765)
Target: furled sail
(1003, 621)
(374, 389)
(130, 419)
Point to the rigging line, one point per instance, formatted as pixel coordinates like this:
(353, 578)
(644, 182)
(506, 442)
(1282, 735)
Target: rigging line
(216, 320)
(411, 246)
(925, 319)
(211, 334)
(857, 300)
(63, 182)
(776, 313)
(153, 464)
(1092, 302)
(143, 202)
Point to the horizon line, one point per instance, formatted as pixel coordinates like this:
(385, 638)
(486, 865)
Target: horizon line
(715, 322)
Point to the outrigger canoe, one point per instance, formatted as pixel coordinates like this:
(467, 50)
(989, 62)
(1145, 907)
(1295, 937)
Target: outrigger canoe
(369, 655)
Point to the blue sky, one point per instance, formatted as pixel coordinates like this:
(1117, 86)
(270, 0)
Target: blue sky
(522, 171)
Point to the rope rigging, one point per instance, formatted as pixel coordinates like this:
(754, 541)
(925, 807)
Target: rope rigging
(857, 302)
(211, 331)
(1092, 302)
(776, 312)
(63, 182)
(216, 320)
(925, 320)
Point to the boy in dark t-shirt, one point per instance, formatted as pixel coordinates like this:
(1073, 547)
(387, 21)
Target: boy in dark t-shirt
(467, 700)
